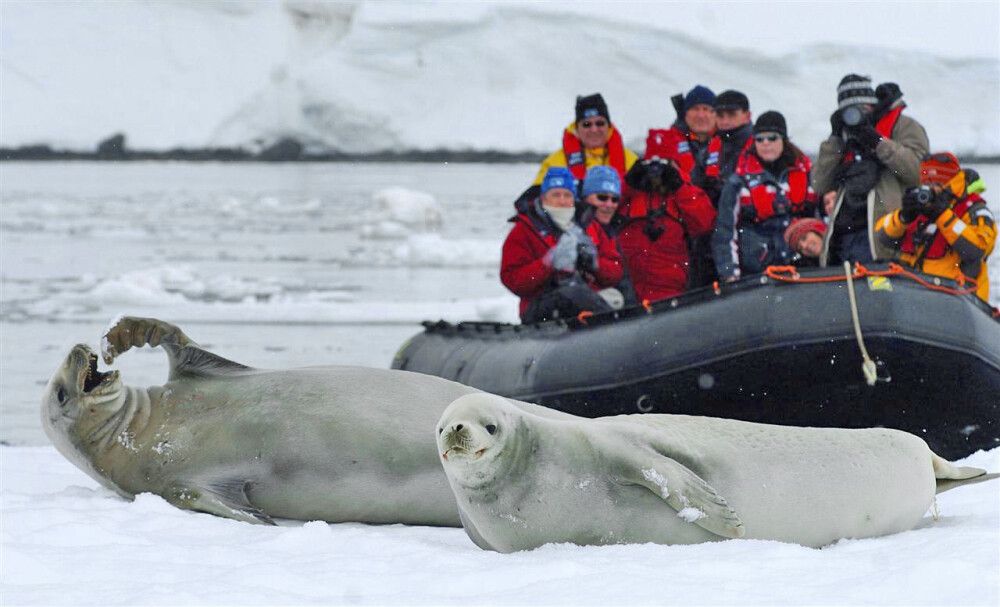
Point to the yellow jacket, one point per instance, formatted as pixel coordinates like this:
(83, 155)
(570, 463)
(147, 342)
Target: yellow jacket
(592, 157)
(970, 238)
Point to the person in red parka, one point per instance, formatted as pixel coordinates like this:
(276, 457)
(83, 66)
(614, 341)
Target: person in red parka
(663, 214)
(556, 257)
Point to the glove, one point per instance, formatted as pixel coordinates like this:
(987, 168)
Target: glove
(586, 255)
(713, 187)
(748, 213)
(912, 206)
(938, 205)
(866, 135)
(836, 124)
(562, 257)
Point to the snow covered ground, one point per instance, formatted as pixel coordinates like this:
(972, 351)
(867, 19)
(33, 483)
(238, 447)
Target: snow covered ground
(67, 541)
(363, 77)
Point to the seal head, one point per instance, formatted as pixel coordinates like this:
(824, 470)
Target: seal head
(82, 408)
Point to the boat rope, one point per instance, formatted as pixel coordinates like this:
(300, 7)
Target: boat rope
(867, 365)
(791, 274)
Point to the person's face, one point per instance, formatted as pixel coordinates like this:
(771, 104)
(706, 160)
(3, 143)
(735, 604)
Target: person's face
(769, 146)
(604, 205)
(811, 245)
(558, 197)
(730, 119)
(593, 131)
(700, 119)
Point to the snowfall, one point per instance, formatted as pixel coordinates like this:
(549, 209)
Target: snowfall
(290, 265)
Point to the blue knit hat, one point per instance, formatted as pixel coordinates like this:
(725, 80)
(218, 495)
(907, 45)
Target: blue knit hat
(699, 94)
(558, 177)
(602, 180)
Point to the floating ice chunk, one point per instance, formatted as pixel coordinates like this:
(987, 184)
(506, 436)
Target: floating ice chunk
(410, 207)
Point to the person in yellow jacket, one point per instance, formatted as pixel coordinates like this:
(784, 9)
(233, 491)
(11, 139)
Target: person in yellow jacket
(591, 140)
(944, 227)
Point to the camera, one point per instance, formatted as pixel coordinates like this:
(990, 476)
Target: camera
(852, 115)
(923, 195)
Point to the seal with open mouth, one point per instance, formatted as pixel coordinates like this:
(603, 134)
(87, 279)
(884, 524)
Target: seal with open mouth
(522, 481)
(321, 443)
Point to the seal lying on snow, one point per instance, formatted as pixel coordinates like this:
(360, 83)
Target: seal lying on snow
(328, 443)
(522, 481)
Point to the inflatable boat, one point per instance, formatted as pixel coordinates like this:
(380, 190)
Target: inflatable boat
(810, 348)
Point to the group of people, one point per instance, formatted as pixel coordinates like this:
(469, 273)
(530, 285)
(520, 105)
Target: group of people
(718, 196)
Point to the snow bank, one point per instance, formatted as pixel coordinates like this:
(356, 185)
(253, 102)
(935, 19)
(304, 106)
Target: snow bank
(68, 541)
(394, 76)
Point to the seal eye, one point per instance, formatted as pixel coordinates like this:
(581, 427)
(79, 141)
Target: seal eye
(491, 428)
(61, 395)
(440, 430)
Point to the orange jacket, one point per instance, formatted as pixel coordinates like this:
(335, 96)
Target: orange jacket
(970, 239)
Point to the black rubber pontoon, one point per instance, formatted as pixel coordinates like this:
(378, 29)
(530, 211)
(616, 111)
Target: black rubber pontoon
(759, 350)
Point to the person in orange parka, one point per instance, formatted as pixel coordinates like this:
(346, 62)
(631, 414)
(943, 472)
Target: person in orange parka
(662, 215)
(944, 227)
(556, 257)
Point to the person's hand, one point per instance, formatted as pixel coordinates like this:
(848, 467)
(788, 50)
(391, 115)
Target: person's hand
(586, 255)
(729, 279)
(562, 257)
(941, 201)
(836, 124)
(829, 201)
(866, 135)
(713, 187)
(912, 206)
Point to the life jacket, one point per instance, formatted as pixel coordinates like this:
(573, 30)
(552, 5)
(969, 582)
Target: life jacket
(761, 194)
(883, 127)
(576, 160)
(713, 156)
(923, 229)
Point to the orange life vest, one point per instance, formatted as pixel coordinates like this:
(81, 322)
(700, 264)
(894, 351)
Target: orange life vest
(761, 194)
(576, 162)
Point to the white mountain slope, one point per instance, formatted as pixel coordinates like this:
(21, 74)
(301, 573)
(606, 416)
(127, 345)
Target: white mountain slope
(367, 77)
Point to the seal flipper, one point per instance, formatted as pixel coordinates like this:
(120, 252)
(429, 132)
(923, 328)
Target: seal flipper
(186, 357)
(225, 498)
(694, 500)
(949, 476)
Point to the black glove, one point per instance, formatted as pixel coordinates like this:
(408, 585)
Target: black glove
(866, 135)
(586, 257)
(836, 124)
(654, 175)
(748, 213)
(712, 187)
(913, 205)
(887, 93)
(938, 204)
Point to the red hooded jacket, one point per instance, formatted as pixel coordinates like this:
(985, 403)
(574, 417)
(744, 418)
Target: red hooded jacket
(659, 267)
(523, 269)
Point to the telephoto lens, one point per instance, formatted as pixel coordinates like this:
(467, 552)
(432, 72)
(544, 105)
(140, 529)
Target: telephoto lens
(852, 115)
(924, 195)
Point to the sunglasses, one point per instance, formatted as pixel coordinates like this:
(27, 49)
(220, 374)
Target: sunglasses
(607, 198)
(763, 138)
(600, 124)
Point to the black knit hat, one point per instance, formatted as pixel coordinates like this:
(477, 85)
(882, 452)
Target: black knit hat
(732, 100)
(854, 89)
(590, 106)
(771, 122)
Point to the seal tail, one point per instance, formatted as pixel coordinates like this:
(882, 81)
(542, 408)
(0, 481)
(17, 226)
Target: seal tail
(949, 475)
